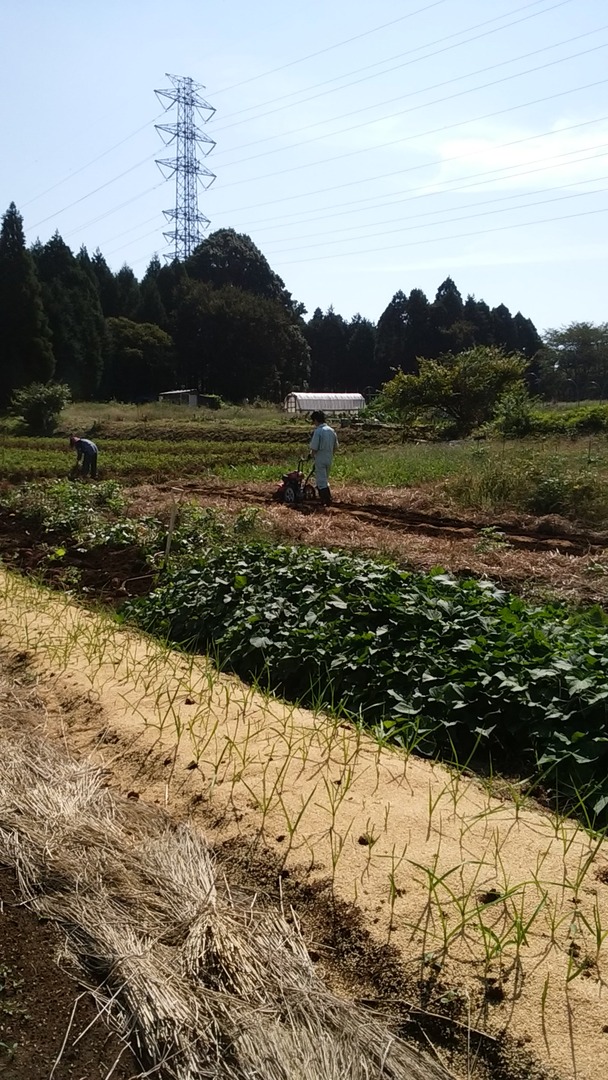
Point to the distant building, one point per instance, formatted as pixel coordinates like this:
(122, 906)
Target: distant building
(303, 402)
(179, 397)
(191, 398)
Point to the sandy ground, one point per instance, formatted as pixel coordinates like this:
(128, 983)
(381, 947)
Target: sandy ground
(492, 903)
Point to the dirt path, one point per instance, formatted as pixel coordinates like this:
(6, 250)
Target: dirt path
(528, 554)
(415, 884)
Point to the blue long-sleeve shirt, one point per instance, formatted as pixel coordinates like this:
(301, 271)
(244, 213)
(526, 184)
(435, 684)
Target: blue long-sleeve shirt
(85, 446)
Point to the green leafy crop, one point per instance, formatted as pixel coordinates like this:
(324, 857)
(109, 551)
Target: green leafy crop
(452, 668)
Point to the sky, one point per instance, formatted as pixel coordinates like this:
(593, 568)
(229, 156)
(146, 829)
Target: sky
(365, 148)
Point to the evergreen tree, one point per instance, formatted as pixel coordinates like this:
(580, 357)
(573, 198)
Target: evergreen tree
(327, 337)
(477, 314)
(448, 306)
(106, 285)
(527, 340)
(391, 352)
(71, 302)
(360, 355)
(26, 353)
(502, 328)
(151, 308)
(169, 281)
(127, 287)
(419, 335)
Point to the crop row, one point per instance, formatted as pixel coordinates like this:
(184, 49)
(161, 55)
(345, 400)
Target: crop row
(455, 669)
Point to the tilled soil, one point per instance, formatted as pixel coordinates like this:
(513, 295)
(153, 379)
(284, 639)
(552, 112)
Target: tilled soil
(45, 1017)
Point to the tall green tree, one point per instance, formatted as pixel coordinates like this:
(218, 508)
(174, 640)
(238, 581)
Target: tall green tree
(26, 353)
(390, 352)
(141, 361)
(327, 337)
(127, 287)
(406, 331)
(448, 306)
(360, 355)
(72, 305)
(226, 257)
(233, 343)
(151, 308)
(477, 314)
(573, 363)
(106, 285)
(503, 331)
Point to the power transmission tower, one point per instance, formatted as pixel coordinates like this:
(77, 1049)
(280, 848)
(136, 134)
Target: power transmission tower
(189, 172)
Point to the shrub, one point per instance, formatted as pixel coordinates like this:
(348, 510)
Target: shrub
(39, 406)
(460, 389)
(513, 413)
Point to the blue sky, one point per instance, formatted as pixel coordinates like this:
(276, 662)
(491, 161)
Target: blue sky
(364, 147)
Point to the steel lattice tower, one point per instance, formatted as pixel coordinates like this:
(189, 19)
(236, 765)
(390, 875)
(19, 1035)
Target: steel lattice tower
(189, 172)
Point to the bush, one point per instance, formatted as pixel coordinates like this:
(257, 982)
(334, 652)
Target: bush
(584, 420)
(461, 390)
(39, 406)
(513, 413)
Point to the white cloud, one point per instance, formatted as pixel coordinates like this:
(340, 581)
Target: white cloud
(516, 159)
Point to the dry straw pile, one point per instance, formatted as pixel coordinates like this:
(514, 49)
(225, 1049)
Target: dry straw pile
(202, 982)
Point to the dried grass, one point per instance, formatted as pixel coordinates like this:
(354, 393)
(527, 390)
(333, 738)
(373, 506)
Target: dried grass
(204, 983)
(573, 577)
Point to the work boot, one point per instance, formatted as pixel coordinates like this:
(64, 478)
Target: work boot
(324, 496)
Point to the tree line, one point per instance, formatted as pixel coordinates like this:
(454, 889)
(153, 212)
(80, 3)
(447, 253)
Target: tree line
(224, 323)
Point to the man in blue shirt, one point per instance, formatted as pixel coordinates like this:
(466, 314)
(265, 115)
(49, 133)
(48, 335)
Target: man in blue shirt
(86, 451)
(323, 445)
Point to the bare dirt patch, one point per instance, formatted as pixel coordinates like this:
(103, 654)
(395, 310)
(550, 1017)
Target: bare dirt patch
(47, 1020)
(530, 555)
(40, 1005)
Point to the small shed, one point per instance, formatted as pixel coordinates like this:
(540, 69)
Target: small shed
(303, 402)
(179, 397)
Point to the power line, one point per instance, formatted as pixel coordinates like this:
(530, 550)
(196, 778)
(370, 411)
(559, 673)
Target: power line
(442, 239)
(329, 48)
(75, 202)
(448, 185)
(149, 157)
(125, 232)
(449, 221)
(284, 99)
(456, 187)
(115, 209)
(418, 108)
(422, 90)
(409, 138)
(92, 162)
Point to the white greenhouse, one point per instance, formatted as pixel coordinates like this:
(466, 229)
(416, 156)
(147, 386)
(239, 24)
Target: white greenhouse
(303, 402)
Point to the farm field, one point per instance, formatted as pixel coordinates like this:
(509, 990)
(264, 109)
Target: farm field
(401, 816)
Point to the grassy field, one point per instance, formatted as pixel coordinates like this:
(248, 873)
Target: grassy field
(549, 475)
